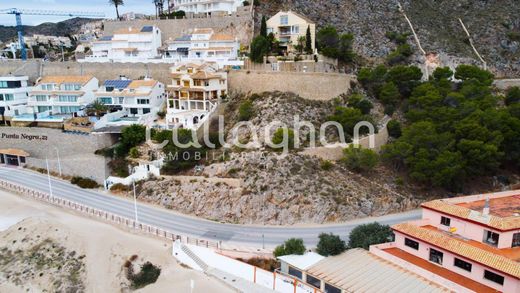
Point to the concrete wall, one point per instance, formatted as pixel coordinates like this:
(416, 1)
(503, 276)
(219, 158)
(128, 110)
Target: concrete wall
(76, 151)
(239, 26)
(313, 86)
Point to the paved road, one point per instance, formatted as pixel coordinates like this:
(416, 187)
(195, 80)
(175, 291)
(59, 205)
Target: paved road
(181, 224)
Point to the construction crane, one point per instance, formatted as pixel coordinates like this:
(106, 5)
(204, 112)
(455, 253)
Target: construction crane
(18, 14)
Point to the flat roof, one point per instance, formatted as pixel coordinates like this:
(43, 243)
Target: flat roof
(466, 248)
(504, 214)
(301, 262)
(358, 270)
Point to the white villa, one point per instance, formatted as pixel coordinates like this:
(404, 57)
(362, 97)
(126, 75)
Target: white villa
(194, 94)
(204, 45)
(62, 95)
(207, 7)
(288, 26)
(127, 45)
(14, 93)
(135, 97)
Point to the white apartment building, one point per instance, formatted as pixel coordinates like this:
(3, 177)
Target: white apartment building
(14, 93)
(194, 94)
(288, 26)
(62, 95)
(207, 7)
(204, 45)
(127, 45)
(134, 97)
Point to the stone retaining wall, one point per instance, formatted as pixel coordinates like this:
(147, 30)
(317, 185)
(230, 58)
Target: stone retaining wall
(76, 152)
(313, 86)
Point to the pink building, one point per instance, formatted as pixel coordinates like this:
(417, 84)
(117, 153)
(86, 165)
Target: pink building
(467, 244)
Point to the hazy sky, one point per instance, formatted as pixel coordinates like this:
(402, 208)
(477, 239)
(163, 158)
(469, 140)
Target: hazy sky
(141, 6)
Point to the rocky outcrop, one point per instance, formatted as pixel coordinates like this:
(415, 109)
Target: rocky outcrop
(494, 26)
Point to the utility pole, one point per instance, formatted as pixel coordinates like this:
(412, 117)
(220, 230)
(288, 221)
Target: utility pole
(49, 177)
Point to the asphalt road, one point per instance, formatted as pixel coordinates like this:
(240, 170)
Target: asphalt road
(249, 235)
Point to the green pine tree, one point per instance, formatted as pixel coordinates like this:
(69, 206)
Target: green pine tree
(263, 27)
(308, 41)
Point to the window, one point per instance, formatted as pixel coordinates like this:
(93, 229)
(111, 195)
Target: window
(41, 98)
(143, 101)
(47, 87)
(105, 100)
(42, 109)
(295, 272)
(68, 99)
(68, 109)
(436, 256)
(133, 111)
(516, 240)
(3, 84)
(71, 87)
(411, 243)
(8, 97)
(284, 19)
(313, 281)
(493, 277)
(462, 264)
(445, 221)
(295, 29)
(22, 160)
(491, 237)
(146, 110)
(331, 289)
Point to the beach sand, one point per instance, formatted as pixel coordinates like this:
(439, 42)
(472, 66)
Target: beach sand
(105, 247)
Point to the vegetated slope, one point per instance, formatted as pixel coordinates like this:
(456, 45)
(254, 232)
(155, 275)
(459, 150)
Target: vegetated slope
(62, 28)
(494, 26)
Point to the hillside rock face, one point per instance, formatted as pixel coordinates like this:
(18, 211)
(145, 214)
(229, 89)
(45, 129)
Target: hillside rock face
(494, 26)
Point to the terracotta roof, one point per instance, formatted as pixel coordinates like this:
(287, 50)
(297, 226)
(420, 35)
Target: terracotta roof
(14, 152)
(499, 223)
(204, 75)
(462, 248)
(203, 31)
(141, 83)
(222, 37)
(83, 79)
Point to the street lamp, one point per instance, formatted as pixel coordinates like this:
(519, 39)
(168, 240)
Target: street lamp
(49, 177)
(59, 162)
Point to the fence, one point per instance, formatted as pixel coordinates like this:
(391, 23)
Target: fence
(106, 216)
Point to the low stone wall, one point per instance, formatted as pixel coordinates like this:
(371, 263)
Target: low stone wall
(76, 152)
(313, 86)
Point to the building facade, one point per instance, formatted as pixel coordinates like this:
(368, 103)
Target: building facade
(127, 45)
(207, 7)
(194, 94)
(288, 27)
(471, 244)
(14, 94)
(62, 95)
(204, 45)
(135, 97)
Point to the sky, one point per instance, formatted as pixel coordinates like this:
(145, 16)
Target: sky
(138, 6)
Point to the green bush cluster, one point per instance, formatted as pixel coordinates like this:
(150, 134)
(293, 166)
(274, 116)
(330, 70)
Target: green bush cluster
(334, 45)
(148, 275)
(290, 246)
(84, 182)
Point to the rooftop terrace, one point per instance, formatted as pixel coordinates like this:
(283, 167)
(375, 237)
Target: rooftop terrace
(501, 207)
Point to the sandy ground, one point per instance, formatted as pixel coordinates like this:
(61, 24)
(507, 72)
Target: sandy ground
(105, 248)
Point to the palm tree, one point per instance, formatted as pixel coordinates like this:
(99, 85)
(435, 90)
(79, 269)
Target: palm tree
(97, 109)
(117, 3)
(158, 7)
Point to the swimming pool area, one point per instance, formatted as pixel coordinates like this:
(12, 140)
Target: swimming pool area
(40, 118)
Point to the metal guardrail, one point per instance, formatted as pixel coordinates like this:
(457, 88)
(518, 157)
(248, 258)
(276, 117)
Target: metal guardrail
(106, 216)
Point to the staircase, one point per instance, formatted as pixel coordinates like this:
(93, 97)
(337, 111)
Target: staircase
(194, 257)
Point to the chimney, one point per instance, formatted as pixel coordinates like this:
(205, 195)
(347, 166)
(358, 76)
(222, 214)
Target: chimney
(486, 207)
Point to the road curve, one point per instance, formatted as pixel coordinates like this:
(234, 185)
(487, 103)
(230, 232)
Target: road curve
(250, 235)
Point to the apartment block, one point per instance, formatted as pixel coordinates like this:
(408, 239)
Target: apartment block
(468, 244)
(207, 7)
(194, 94)
(127, 45)
(135, 97)
(62, 95)
(204, 45)
(14, 94)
